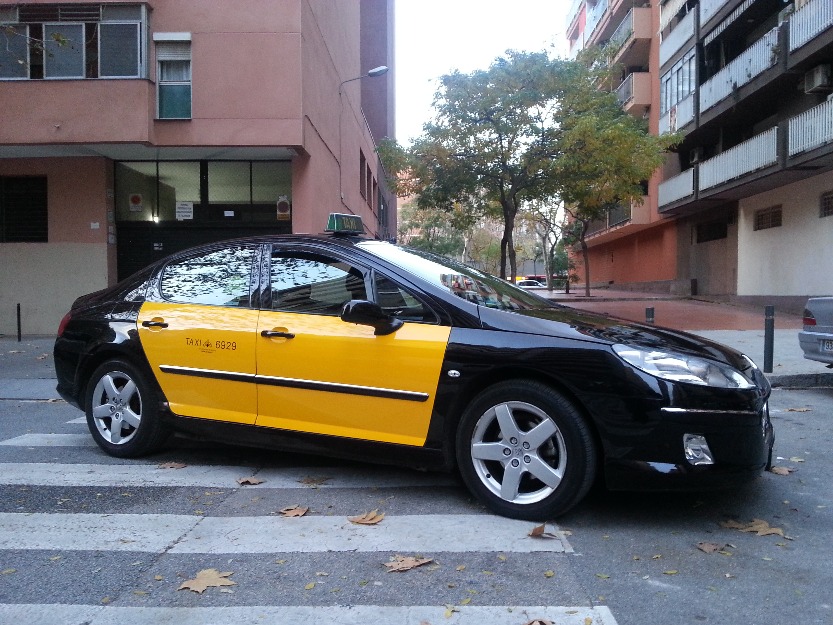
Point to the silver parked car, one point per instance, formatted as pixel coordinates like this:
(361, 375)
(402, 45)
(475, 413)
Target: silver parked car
(817, 337)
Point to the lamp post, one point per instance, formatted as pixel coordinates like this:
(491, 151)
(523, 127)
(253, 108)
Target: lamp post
(373, 73)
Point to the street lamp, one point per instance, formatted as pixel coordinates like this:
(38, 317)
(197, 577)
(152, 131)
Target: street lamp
(373, 73)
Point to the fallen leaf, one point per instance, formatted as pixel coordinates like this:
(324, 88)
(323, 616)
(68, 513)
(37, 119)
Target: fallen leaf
(758, 526)
(294, 511)
(140, 593)
(158, 578)
(172, 465)
(309, 586)
(549, 573)
(405, 563)
(799, 409)
(8, 571)
(540, 531)
(368, 518)
(602, 576)
(782, 470)
(207, 578)
(462, 567)
(796, 459)
(671, 572)
(249, 481)
(314, 482)
(709, 547)
(42, 357)
(466, 601)
(450, 610)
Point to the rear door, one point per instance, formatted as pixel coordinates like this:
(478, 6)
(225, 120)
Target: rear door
(199, 333)
(319, 374)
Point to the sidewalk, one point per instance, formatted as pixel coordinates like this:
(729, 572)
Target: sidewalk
(27, 372)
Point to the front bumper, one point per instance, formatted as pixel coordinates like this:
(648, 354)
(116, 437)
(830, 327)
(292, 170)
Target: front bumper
(741, 443)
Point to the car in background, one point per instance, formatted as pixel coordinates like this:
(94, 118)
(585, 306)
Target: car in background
(531, 284)
(816, 339)
(341, 345)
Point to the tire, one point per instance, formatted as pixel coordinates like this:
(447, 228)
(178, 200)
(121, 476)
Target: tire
(525, 451)
(123, 411)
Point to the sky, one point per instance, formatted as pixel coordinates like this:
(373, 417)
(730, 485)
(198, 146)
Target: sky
(435, 37)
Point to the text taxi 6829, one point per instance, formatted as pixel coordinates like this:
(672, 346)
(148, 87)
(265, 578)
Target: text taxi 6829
(358, 348)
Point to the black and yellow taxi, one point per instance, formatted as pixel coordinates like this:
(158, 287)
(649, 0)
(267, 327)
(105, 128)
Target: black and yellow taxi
(351, 347)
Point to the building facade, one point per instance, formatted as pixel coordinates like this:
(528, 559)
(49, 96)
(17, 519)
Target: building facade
(129, 131)
(750, 189)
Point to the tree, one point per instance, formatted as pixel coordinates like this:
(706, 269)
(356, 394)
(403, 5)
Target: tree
(547, 219)
(491, 138)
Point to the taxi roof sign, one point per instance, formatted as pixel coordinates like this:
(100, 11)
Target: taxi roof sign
(341, 223)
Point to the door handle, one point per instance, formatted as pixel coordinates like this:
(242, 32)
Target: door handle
(271, 334)
(153, 323)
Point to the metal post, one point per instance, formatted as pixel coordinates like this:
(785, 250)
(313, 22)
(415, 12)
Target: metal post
(19, 337)
(769, 337)
(649, 314)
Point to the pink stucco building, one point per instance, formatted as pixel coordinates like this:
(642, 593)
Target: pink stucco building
(132, 130)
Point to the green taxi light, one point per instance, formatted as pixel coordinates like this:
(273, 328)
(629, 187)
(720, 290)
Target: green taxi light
(344, 224)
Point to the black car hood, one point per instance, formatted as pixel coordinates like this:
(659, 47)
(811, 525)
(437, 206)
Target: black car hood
(566, 322)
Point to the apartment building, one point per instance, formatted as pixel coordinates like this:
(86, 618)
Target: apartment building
(131, 130)
(750, 189)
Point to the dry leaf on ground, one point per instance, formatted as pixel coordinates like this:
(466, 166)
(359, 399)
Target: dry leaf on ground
(249, 481)
(294, 511)
(172, 465)
(757, 526)
(314, 482)
(207, 578)
(405, 563)
(368, 518)
(709, 547)
(540, 531)
(782, 470)
(799, 409)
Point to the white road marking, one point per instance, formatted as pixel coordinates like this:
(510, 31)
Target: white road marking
(50, 440)
(161, 533)
(59, 614)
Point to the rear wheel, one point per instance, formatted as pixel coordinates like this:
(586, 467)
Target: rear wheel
(122, 411)
(525, 451)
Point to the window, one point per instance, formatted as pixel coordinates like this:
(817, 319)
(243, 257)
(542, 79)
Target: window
(826, 205)
(399, 303)
(73, 41)
(362, 180)
(678, 83)
(712, 231)
(23, 214)
(304, 282)
(768, 218)
(173, 76)
(218, 278)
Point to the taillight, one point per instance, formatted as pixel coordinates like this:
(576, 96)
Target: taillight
(809, 319)
(63, 325)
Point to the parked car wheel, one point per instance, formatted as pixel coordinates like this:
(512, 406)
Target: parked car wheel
(525, 451)
(122, 411)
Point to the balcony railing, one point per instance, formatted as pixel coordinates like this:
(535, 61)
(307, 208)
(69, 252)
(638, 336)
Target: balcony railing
(809, 21)
(756, 153)
(752, 62)
(571, 14)
(594, 16)
(681, 114)
(622, 32)
(708, 8)
(676, 188)
(811, 128)
(616, 216)
(675, 40)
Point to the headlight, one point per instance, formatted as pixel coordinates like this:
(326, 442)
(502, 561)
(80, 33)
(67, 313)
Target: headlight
(682, 368)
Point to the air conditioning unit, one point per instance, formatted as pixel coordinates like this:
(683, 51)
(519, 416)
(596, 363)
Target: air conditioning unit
(695, 155)
(817, 80)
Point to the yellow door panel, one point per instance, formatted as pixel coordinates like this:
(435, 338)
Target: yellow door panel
(203, 358)
(337, 378)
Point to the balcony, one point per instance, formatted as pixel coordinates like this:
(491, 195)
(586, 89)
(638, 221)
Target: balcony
(811, 129)
(676, 39)
(757, 153)
(810, 21)
(709, 8)
(678, 116)
(594, 16)
(632, 38)
(635, 93)
(575, 7)
(676, 188)
(619, 221)
(752, 62)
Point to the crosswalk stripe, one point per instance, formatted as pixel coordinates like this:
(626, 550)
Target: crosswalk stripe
(180, 534)
(49, 440)
(60, 614)
(138, 474)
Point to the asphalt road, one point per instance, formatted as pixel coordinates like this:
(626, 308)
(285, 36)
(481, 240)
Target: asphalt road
(85, 538)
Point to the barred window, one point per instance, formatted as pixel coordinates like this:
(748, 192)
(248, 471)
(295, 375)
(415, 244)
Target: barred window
(768, 218)
(826, 204)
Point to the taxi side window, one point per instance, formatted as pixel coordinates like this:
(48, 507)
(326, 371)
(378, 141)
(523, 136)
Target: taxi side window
(398, 302)
(312, 283)
(218, 278)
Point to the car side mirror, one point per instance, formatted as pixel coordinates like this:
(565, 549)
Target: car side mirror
(367, 313)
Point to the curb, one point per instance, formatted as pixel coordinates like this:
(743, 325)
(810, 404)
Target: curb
(801, 380)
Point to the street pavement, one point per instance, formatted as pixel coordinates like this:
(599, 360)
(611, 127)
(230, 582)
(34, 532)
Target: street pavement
(26, 369)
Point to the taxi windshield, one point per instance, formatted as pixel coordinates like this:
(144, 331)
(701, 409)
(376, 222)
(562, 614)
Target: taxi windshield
(465, 282)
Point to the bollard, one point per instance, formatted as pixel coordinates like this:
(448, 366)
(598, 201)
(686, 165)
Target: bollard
(649, 314)
(19, 334)
(769, 337)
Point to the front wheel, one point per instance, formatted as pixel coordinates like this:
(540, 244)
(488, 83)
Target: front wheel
(122, 411)
(525, 451)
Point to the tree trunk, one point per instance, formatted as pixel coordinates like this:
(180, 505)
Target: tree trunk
(585, 256)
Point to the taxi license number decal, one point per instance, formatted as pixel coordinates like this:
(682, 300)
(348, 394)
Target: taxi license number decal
(210, 344)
